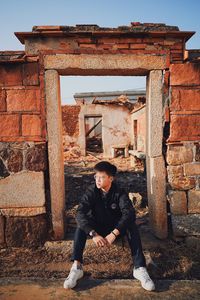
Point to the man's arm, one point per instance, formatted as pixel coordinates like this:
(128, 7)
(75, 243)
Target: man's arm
(128, 213)
(82, 217)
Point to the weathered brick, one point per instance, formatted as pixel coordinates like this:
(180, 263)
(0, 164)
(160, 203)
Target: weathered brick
(23, 100)
(185, 74)
(177, 155)
(9, 125)
(153, 47)
(175, 170)
(191, 169)
(184, 127)
(93, 46)
(121, 46)
(176, 57)
(178, 202)
(185, 99)
(177, 180)
(35, 159)
(2, 100)
(10, 75)
(119, 40)
(84, 40)
(26, 231)
(105, 46)
(176, 46)
(31, 125)
(193, 201)
(30, 74)
(15, 161)
(153, 40)
(138, 46)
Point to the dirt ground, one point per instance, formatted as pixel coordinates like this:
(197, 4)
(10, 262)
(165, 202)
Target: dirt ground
(90, 289)
(166, 259)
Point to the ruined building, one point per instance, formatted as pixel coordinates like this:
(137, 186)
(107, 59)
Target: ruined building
(104, 122)
(31, 154)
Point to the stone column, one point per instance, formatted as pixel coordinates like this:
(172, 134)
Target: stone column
(156, 171)
(55, 151)
(82, 138)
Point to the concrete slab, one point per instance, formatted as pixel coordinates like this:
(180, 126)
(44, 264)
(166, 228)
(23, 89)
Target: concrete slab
(105, 64)
(23, 189)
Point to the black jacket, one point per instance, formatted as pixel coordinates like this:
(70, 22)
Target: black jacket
(95, 212)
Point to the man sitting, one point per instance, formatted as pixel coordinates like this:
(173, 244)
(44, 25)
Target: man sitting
(104, 213)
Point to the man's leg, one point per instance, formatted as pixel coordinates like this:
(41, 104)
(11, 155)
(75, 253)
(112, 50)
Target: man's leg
(76, 271)
(80, 238)
(139, 271)
(135, 244)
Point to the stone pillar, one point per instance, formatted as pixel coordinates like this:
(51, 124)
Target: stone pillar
(156, 171)
(55, 151)
(82, 138)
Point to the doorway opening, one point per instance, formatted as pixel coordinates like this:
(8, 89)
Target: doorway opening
(100, 125)
(111, 65)
(93, 134)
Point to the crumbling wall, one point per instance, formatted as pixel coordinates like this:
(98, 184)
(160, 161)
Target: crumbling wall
(116, 125)
(115, 130)
(140, 116)
(23, 151)
(183, 149)
(70, 123)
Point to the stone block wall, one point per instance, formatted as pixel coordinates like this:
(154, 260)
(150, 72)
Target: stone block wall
(183, 149)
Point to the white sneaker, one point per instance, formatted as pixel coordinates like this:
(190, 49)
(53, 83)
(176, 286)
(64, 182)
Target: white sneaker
(142, 275)
(71, 280)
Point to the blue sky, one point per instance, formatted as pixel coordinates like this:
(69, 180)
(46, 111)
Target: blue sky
(22, 15)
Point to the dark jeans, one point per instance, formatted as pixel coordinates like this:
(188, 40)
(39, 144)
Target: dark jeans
(133, 237)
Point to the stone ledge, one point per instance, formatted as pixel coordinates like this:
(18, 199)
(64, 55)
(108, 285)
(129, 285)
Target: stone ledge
(24, 211)
(186, 225)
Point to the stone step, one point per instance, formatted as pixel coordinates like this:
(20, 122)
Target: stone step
(149, 241)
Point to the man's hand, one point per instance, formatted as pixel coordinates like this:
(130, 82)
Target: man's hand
(110, 238)
(100, 241)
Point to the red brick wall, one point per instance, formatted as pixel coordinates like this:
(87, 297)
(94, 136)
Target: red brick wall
(183, 143)
(173, 47)
(70, 120)
(185, 102)
(22, 115)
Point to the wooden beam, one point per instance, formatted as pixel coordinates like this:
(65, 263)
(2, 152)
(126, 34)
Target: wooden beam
(91, 129)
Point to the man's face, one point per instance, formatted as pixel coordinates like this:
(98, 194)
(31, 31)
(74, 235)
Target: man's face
(103, 180)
